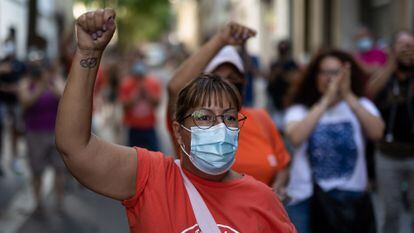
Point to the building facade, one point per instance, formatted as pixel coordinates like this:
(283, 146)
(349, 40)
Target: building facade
(334, 23)
(52, 18)
(309, 24)
(13, 15)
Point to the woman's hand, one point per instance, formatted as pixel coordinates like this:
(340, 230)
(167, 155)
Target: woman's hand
(235, 34)
(345, 81)
(94, 30)
(405, 56)
(332, 94)
(280, 183)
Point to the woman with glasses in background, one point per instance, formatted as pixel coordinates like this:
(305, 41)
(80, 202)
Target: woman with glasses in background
(327, 125)
(159, 196)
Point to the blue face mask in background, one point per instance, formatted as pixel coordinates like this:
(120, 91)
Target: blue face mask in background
(212, 150)
(365, 44)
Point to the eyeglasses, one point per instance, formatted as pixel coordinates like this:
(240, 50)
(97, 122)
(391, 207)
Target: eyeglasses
(332, 72)
(205, 119)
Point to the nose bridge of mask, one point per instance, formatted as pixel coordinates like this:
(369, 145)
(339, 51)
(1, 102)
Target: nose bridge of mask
(219, 131)
(217, 134)
(203, 140)
(214, 134)
(225, 139)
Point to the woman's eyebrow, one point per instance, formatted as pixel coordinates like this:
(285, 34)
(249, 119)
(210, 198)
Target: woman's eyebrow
(210, 109)
(229, 109)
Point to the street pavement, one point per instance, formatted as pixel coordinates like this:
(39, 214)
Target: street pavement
(83, 211)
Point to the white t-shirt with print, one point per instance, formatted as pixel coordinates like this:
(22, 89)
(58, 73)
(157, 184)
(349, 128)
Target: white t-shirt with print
(336, 149)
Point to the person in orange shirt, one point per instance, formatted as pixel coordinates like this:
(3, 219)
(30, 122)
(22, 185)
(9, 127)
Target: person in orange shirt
(140, 95)
(261, 152)
(199, 192)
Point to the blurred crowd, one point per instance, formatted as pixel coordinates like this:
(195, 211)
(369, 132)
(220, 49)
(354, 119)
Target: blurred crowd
(351, 137)
(126, 98)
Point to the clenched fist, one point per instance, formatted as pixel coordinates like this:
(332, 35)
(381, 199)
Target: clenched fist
(235, 34)
(94, 30)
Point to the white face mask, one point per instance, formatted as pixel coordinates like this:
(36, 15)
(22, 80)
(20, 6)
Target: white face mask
(365, 44)
(213, 150)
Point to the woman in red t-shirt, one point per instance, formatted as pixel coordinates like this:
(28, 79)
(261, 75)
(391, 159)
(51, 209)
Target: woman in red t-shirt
(149, 184)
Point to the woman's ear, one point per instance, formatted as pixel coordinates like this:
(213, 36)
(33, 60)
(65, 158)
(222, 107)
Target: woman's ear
(177, 132)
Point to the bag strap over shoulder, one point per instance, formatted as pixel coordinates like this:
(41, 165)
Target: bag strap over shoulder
(202, 214)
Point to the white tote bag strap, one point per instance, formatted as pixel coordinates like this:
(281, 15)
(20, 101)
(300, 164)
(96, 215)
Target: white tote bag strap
(202, 214)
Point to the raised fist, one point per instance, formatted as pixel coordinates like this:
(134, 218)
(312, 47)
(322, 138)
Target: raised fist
(235, 34)
(94, 29)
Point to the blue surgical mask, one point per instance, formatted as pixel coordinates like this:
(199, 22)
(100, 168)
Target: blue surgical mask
(212, 150)
(365, 44)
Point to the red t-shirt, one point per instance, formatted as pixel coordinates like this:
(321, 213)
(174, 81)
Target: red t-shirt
(161, 202)
(141, 114)
(261, 152)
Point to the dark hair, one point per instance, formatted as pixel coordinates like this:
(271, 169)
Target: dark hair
(237, 78)
(397, 35)
(308, 93)
(202, 90)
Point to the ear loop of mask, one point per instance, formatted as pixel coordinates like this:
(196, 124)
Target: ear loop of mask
(189, 130)
(182, 146)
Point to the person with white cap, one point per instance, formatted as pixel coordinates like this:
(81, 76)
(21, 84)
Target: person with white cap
(261, 151)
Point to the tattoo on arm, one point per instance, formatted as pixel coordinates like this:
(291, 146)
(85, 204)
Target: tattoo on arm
(89, 62)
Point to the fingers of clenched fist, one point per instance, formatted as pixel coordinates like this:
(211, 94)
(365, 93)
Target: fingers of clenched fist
(241, 32)
(97, 22)
(345, 80)
(234, 33)
(95, 28)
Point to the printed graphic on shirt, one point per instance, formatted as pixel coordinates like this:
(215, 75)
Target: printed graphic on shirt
(272, 160)
(222, 228)
(333, 151)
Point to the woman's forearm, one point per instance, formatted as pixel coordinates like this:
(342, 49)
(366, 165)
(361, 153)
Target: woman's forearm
(372, 126)
(194, 65)
(58, 86)
(231, 34)
(379, 80)
(73, 124)
(298, 132)
(28, 101)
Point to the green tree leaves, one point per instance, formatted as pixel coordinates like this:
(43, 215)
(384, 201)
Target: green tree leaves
(137, 20)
